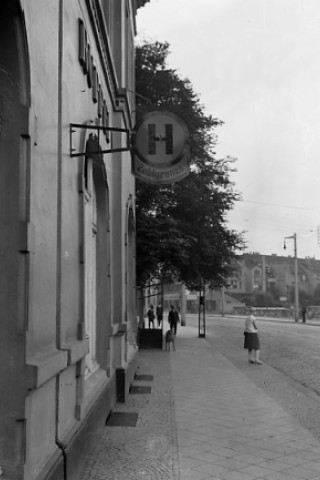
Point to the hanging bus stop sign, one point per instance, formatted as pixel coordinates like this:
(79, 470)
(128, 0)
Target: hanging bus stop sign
(161, 148)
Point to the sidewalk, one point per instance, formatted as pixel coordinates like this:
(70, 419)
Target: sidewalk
(203, 420)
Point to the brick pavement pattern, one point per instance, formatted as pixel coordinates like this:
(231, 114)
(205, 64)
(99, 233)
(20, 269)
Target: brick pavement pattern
(204, 420)
(148, 450)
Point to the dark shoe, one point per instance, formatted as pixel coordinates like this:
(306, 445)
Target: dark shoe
(250, 361)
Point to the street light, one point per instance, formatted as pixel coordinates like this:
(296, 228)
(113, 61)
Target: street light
(202, 310)
(296, 285)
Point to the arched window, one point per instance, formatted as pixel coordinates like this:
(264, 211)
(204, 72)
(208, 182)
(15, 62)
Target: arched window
(90, 266)
(130, 277)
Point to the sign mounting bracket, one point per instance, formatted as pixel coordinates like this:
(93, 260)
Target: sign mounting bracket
(74, 127)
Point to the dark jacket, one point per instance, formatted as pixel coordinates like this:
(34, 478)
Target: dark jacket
(173, 317)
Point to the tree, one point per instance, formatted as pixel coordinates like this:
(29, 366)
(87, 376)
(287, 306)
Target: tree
(181, 227)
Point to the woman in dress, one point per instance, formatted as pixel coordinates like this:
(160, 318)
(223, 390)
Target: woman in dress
(251, 339)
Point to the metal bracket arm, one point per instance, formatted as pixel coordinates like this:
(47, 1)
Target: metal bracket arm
(98, 129)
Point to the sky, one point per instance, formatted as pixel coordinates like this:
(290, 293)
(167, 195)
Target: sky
(255, 65)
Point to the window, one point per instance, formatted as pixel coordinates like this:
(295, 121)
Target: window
(90, 265)
(129, 73)
(106, 7)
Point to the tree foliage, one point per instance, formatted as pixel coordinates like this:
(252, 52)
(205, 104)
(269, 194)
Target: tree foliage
(181, 228)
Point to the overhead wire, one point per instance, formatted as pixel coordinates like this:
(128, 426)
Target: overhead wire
(278, 205)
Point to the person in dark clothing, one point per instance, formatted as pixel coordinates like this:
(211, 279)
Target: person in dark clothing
(173, 319)
(159, 314)
(151, 316)
(304, 314)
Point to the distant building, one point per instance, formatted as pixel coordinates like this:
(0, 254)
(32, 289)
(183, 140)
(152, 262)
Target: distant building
(254, 273)
(67, 229)
(186, 301)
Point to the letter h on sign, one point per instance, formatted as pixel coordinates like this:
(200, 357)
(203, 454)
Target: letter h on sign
(153, 138)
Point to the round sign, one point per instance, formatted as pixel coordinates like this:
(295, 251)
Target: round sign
(161, 139)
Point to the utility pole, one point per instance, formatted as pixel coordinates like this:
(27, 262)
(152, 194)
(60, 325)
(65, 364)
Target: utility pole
(222, 300)
(296, 284)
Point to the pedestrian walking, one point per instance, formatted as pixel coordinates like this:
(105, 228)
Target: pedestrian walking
(304, 314)
(173, 319)
(159, 313)
(151, 316)
(251, 339)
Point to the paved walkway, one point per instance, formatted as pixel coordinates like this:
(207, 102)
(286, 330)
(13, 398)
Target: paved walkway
(203, 420)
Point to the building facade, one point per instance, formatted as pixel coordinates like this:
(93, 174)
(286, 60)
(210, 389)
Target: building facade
(67, 228)
(256, 273)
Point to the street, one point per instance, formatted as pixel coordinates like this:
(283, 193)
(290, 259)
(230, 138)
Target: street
(292, 350)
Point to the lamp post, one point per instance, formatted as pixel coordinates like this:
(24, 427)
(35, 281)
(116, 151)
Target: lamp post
(202, 310)
(296, 285)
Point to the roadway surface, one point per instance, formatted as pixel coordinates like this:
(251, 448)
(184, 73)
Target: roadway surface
(289, 349)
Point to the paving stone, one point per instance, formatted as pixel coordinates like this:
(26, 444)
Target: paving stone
(148, 450)
(204, 419)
